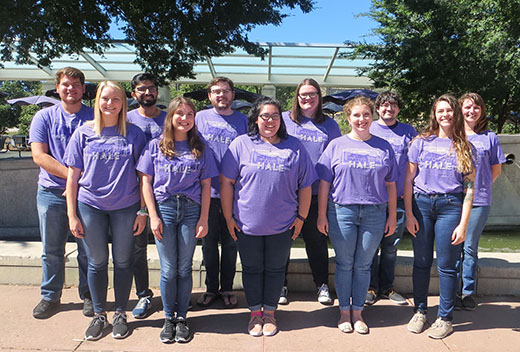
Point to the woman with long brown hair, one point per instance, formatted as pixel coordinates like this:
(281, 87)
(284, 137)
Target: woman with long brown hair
(176, 172)
(489, 160)
(438, 196)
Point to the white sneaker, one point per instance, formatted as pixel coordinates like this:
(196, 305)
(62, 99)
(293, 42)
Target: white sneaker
(283, 296)
(324, 295)
(416, 324)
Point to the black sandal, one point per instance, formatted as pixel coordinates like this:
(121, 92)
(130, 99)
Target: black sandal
(228, 297)
(206, 299)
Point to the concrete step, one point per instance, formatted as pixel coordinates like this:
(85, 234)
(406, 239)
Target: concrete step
(498, 273)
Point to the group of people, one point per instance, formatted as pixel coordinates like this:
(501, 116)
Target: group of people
(252, 184)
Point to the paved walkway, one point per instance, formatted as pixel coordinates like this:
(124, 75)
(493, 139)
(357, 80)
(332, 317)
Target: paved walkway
(305, 326)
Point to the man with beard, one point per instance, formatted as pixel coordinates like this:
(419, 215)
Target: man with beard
(219, 126)
(150, 119)
(49, 135)
(399, 135)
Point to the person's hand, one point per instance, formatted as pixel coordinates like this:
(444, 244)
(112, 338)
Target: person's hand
(75, 226)
(323, 225)
(202, 229)
(458, 236)
(232, 227)
(390, 226)
(412, 225)
(156, 226)
(297, 226)
(139, 224)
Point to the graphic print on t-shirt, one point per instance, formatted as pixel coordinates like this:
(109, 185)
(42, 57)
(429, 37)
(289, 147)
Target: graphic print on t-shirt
(437, 157)
(311, 134)
(108, 148)
(220, 132)
(183, 163)
(361, 158)
(271, 160)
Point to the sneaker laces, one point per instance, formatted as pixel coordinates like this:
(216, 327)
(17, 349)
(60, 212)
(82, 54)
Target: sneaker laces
(323, 290)
(269, 319)
(169, 325)
(119, 318)
(143, 302)
(99, 319)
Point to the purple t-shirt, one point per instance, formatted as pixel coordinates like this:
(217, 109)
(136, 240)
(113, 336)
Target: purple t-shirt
(109, 180)
(399, 136)
(54, 127)
(152, 127)
(358, 170)
(489, 153)
(436, 161)
(180, 175)
(314, 137)
(219, 131)
(268, 178)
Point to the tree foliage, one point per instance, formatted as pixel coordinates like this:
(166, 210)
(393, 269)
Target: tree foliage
(10, 115)
(169, 35)
(431, 47)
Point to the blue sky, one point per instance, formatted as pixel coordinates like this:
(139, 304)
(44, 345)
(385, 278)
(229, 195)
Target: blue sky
(332, 22)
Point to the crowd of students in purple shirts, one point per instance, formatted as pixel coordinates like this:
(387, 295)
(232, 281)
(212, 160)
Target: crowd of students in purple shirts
(254, 184)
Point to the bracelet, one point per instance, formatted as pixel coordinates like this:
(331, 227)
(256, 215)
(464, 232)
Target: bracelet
(142, 212)
(301, 217)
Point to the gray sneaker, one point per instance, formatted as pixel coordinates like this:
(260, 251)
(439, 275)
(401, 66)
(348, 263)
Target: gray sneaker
(371, 297)
(324, 295)
(416, 324)
(440, 329)
(96, 326)
(394, 297)
(119, 326)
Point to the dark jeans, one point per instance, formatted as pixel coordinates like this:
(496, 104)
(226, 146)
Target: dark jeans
(263, 264)
(226, 266)
(140, 266)
(383, 266)
(316, 246)
(438, 215)
(54, 232)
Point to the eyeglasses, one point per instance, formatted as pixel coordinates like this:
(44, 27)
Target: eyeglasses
(143, 89)
(308, 95)
(266, 117)
(220, 91)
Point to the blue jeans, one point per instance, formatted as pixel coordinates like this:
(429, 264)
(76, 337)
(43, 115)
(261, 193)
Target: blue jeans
(355, 231)
(226, 266)
(263, 267)
(54, 232)
(97, 225)
(383, 266)
(179, 215)
(438, 215)
(477, 221)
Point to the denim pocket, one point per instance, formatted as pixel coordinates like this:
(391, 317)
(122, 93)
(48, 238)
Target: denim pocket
(455, 199)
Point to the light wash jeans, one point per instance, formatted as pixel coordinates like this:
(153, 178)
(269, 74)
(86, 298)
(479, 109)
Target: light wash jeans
(355, 232)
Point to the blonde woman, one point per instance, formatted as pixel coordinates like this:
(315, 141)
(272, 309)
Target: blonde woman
(103, 197)
(438, 196)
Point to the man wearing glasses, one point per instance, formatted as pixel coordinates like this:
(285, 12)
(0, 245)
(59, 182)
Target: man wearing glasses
(150, 119)
(219, 126)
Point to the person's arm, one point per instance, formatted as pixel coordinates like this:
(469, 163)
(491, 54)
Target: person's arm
(42, 158)
(148, 197)
(496, 170)
(227, 189)
(391, 221)
(459, 234)
(205, 199)
(75, 225)
(304, 203)
(411, 222)
(323, 199)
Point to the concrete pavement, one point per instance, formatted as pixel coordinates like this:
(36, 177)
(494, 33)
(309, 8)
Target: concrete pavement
(305, 325)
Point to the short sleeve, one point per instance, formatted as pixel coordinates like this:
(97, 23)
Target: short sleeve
(74, 152)
(413, 151)
(497, 154)
(231, 161)
(324, 165)
(209, 166)
(38, 131)
(392, 174)
(145, 163)
(306, 171)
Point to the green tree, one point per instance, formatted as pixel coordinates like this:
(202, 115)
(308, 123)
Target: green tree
(169, 36)
(431, 47)
(9, 115)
